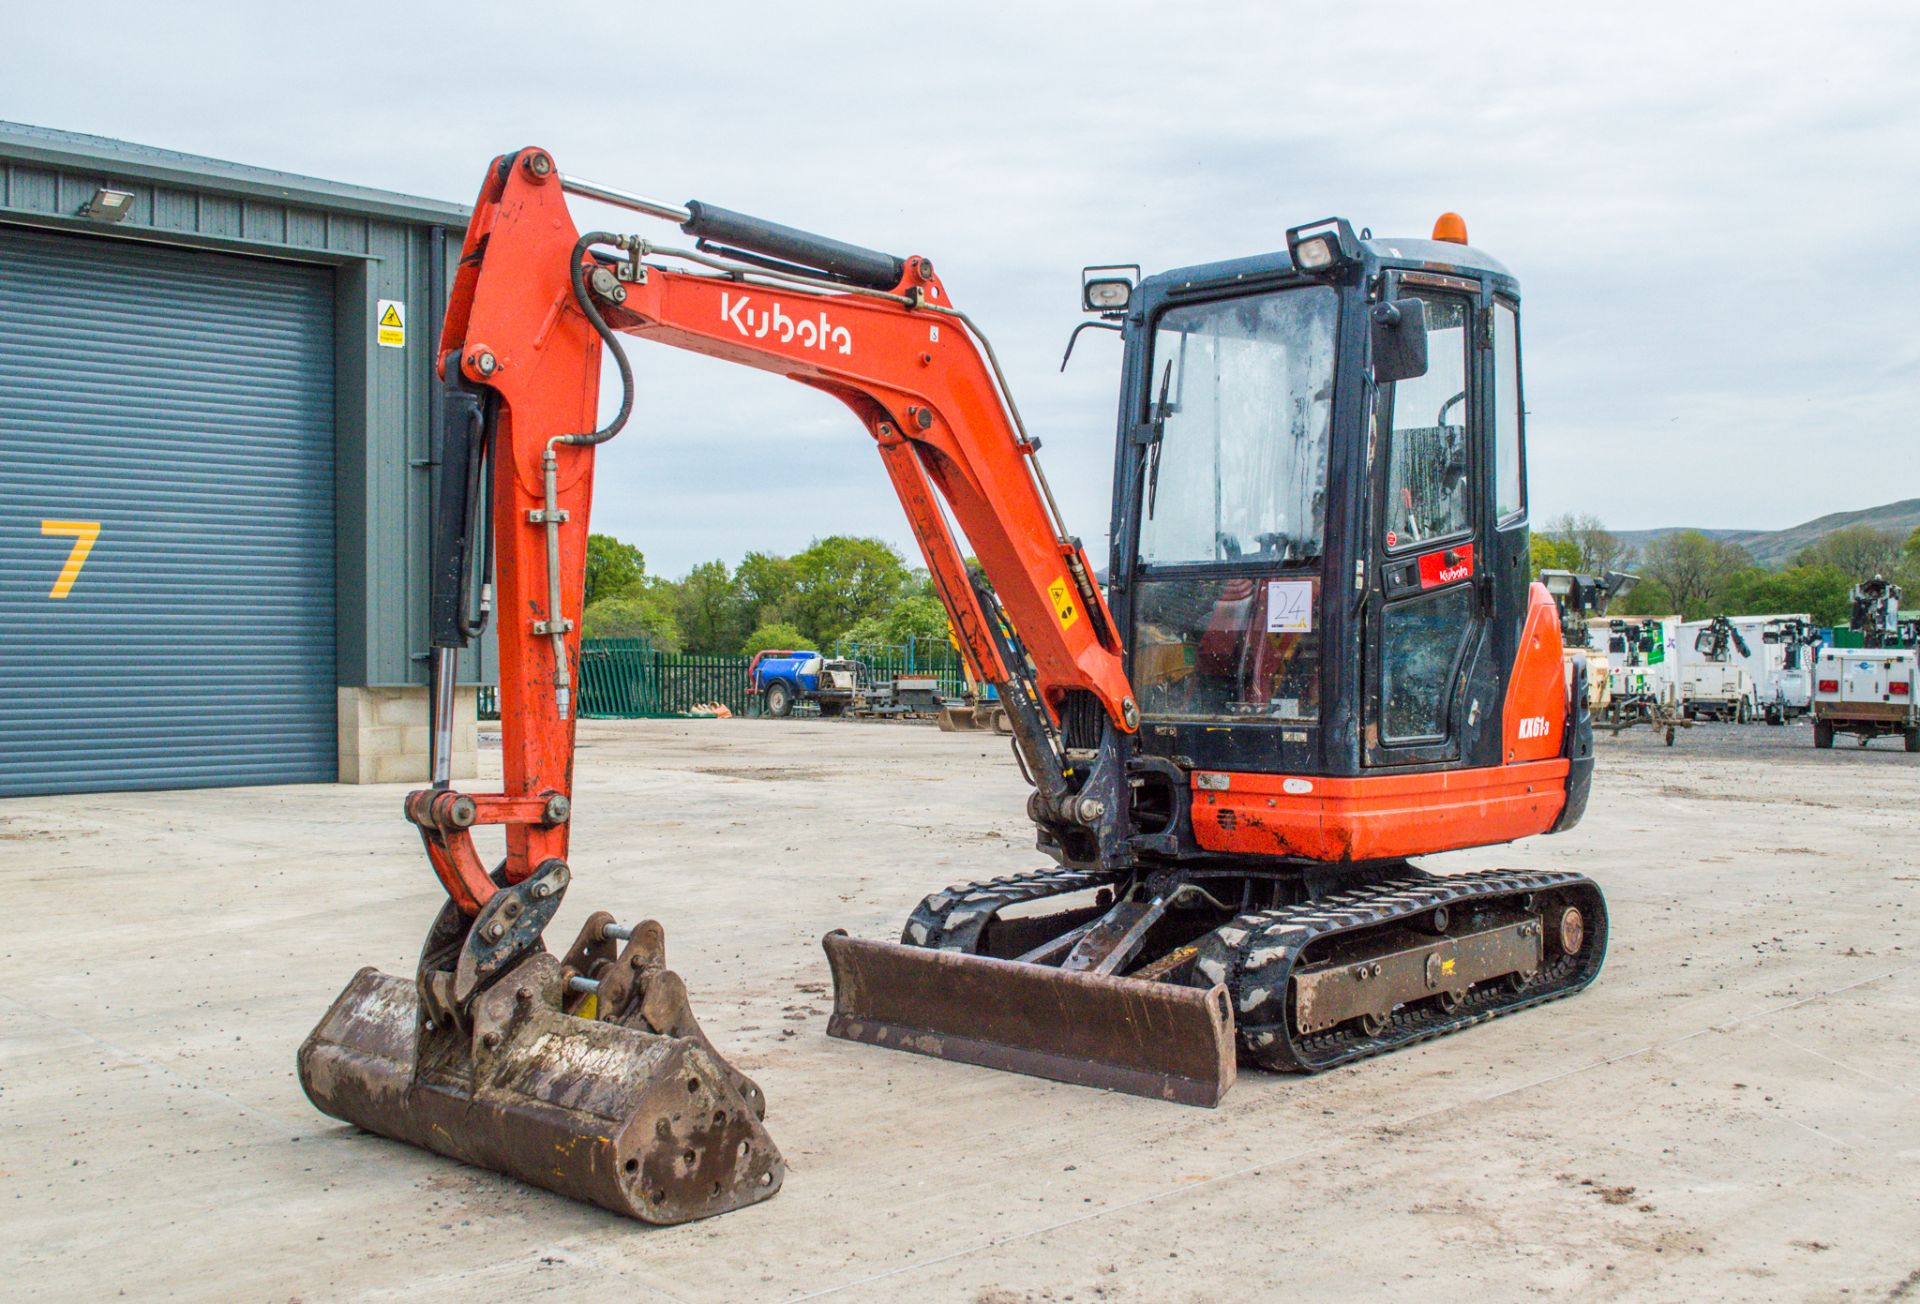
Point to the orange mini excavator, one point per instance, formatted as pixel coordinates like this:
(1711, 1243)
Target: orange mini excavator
(1318, 652)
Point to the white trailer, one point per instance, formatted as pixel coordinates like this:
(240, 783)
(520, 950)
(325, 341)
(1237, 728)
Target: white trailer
(1643, 672)
(1716, 682)
(1712, 690)
(1641, 660)
(1783, 664)
(1867, 692)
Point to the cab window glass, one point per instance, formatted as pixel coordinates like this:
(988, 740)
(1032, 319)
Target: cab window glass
(1422, 642)
(1242, 647)
(1509, 484)
(1428, 484)
(1243, 388)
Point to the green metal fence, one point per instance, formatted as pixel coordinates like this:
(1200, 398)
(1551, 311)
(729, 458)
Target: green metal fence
(922, 656)
(629, 679)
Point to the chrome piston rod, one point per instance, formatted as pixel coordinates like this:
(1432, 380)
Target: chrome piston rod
(446, 664)
(624, 199)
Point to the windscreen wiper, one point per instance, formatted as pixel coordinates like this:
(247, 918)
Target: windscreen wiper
(1159, 417)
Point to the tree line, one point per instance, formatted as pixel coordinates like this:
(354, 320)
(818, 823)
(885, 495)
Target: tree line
(862, 590)
(839, 587)
(1698, 576)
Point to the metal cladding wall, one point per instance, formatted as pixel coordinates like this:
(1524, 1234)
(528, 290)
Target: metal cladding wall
(193, 303)
(167, 542)
(377, 246)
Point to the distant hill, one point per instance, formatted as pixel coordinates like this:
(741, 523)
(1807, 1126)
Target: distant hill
(1779, 547)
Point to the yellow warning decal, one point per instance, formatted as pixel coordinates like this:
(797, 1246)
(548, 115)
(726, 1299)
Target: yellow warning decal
(1446, 966)
(390, 324)
(1066, 604)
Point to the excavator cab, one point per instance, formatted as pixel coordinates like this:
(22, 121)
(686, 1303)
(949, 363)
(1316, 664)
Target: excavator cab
(1322, 562)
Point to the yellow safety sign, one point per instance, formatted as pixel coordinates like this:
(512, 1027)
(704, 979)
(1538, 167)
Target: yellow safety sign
(390, 324)
(1065, 604)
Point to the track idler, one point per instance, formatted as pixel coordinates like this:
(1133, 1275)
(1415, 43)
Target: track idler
(587, 1076)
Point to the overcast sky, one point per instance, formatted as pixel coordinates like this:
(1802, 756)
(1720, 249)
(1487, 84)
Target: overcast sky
(1711, 209)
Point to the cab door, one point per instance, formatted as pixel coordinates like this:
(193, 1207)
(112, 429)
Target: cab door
(1428, 600)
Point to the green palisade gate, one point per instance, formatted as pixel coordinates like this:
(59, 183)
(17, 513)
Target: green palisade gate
(171, 398)
(627, 679)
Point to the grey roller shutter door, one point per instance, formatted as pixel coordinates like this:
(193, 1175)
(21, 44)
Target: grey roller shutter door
(183, 402)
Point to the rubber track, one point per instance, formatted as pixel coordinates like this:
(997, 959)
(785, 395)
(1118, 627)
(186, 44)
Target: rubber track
(1254, 956)
(952, 918)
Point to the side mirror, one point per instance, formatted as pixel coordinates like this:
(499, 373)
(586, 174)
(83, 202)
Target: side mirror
(1399, 340)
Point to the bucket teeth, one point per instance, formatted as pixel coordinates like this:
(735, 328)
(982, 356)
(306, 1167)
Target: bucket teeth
(643, 1123)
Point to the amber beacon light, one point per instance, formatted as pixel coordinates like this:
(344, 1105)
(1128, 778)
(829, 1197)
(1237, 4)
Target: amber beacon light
(1450, 227)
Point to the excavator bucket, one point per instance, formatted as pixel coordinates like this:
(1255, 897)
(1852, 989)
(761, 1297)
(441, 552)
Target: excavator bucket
(974, 717)
(601, 1089)
(1164, 1040)
(960, 718)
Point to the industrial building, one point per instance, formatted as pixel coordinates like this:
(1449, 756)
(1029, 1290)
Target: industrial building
(217, 439)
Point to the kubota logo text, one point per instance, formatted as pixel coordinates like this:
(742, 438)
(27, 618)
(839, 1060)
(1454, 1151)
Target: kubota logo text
(1448, 574)
(758, 323)
(1534, 726)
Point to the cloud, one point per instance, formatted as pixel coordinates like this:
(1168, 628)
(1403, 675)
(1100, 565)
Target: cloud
(1709, 208)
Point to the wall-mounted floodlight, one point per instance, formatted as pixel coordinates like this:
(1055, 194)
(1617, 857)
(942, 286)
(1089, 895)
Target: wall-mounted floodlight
(108, 205)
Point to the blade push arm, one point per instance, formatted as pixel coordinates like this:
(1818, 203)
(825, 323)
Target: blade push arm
(902, 358)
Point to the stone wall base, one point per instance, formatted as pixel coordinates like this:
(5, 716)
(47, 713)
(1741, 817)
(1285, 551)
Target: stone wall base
(383, 735)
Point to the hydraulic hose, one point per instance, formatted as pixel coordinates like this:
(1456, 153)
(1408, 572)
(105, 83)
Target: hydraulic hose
(556, 626)
(577, 271)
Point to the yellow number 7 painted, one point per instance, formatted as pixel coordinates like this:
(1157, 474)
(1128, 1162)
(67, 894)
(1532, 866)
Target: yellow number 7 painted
(83, 533)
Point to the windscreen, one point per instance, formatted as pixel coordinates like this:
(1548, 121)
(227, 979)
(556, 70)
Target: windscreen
(1244, 390)
(1245, 387)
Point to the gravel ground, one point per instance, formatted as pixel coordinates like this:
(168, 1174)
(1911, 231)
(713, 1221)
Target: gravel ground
(1765, 743)
(1730, 1112)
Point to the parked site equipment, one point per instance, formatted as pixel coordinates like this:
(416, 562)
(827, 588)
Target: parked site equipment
(1319, 654)
(1581, 598)
(1868, 691)
(1714, 684)
(1643, 671)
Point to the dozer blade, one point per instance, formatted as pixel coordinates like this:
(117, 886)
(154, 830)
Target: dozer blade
(1168, 1041)
(646, 1125)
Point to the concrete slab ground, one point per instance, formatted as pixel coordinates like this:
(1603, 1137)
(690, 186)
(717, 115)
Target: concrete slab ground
(1730, 1113)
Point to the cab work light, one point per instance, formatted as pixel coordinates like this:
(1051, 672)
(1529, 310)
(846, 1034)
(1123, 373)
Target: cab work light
(1323, 246)
(1108, 288)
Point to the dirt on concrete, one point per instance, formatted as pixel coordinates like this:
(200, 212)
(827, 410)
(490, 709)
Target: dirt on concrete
(1730, 1112)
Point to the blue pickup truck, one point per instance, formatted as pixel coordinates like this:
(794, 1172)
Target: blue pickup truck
(782, 678)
